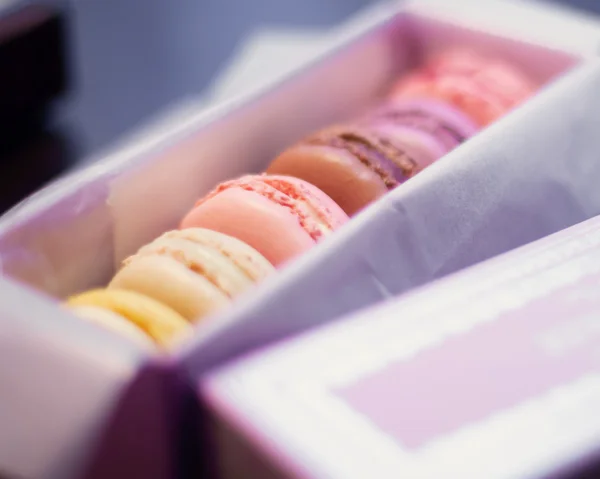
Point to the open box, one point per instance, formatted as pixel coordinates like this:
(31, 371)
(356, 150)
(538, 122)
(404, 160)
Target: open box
(491, 372)
(104, 209)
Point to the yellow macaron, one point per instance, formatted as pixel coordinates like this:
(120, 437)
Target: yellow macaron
(161, 323)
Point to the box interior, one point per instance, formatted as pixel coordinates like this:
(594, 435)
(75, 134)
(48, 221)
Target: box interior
(72, 235)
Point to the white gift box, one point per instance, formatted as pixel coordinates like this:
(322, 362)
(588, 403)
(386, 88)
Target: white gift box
(71, 235)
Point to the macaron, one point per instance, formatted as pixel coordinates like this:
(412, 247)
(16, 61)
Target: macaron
(352, 164)
(194, 271)
(428, 129)
(163, 325)
(279, 216)
(483, 88)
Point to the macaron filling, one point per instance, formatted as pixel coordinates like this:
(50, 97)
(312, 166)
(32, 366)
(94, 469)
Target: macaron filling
(379, 154)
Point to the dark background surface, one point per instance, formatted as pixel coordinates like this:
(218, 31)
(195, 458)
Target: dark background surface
(130, 59)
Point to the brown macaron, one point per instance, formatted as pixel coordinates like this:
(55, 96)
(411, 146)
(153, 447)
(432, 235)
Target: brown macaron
(354, 165)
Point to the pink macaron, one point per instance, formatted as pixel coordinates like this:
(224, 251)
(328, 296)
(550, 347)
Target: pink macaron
(427, 128)
(279, 216)
(484, 88)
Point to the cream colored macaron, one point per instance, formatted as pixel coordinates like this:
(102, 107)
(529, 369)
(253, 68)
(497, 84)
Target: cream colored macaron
(194, 271)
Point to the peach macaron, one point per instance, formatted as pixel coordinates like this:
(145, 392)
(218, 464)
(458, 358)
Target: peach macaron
(280, 216)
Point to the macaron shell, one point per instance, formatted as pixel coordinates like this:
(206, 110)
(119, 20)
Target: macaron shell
(266, 226)
(160, 322)
(113, 322)
(347, 181)
(173, 284)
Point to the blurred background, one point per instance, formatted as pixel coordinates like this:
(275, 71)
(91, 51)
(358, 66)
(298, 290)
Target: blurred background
(77, 75)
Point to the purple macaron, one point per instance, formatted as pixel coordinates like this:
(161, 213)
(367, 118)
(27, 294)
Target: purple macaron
(427, 129)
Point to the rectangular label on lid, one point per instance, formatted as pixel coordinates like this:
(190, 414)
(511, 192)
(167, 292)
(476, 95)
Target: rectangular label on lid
(498, 366)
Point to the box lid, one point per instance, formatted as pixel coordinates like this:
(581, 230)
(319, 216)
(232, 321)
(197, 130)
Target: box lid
(492, 372)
